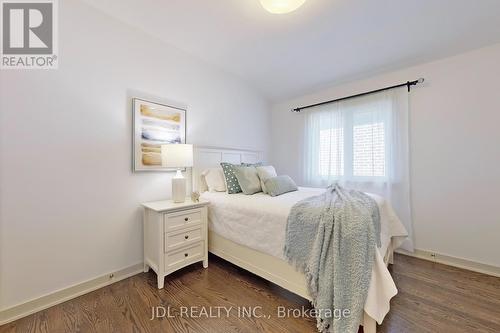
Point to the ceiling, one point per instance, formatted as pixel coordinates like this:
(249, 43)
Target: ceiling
(323, 42)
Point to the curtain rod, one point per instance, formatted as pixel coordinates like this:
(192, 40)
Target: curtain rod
(407, 84)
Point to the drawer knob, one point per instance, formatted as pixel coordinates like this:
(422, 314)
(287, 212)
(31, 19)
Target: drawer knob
(185, 254)
(186, 219)
(186, 237)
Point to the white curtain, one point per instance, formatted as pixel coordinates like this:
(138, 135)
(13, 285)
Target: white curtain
(363, 143)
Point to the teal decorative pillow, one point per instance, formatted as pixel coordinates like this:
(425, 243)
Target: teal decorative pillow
(248, 179)
(231, 181)
(280, 185)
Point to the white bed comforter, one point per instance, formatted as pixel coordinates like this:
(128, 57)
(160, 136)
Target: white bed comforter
(259, 221)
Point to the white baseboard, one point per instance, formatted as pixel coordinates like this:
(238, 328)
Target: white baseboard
(63, 295)
(453, 261)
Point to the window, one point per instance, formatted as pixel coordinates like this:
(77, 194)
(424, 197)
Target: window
(331, 152)
(368, 136)
(348, 142)
(361, 143)
(368, 150)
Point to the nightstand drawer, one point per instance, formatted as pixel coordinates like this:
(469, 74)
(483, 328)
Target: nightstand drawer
(184, 256)
(187, 218)
(176, 239)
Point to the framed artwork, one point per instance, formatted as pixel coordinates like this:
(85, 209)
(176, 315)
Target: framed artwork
(155, 125)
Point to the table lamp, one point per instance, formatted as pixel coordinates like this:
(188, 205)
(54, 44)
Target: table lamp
(177, 156)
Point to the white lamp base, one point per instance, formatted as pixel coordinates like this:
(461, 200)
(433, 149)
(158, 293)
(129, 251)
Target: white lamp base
(179, 187)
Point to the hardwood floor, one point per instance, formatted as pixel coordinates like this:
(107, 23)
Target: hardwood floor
(432, 298)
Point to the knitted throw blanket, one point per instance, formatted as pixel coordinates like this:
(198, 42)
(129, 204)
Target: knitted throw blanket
(331, 238)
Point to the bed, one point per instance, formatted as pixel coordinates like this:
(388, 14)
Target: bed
(249, 231)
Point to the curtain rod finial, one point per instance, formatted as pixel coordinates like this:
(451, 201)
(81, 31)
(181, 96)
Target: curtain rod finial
(421, 80)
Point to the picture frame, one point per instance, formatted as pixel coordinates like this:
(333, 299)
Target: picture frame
(155, 124)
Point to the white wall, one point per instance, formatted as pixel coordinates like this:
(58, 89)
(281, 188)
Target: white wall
(69, 201)
(455, 150)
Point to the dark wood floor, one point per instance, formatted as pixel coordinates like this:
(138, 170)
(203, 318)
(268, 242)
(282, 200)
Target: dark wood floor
(432, 298)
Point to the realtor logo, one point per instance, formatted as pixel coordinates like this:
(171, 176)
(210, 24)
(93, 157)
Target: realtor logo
(29, 34)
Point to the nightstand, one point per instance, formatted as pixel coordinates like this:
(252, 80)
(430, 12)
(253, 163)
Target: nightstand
(175, 235)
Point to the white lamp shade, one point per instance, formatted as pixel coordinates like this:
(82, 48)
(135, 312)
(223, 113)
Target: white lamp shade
(177, 156)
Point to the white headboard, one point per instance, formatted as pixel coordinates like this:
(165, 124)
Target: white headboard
(211, 157)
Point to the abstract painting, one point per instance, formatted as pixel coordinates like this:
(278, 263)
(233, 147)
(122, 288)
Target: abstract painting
(155, 125)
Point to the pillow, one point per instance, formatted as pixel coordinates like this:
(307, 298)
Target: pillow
(214, 177)
(251, 164)
(231, 181)
(248, 179)
(280, 185)
(265, 172)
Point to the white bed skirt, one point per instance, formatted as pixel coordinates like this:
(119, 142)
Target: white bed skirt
(274, 269)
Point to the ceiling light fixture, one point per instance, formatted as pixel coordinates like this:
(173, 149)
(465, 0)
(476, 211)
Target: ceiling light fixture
(281, 6)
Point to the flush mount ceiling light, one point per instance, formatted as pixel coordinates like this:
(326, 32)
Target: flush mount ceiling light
(281, 6)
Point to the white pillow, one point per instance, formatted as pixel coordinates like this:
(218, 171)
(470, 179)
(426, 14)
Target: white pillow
(265, 172)
(214, 178)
